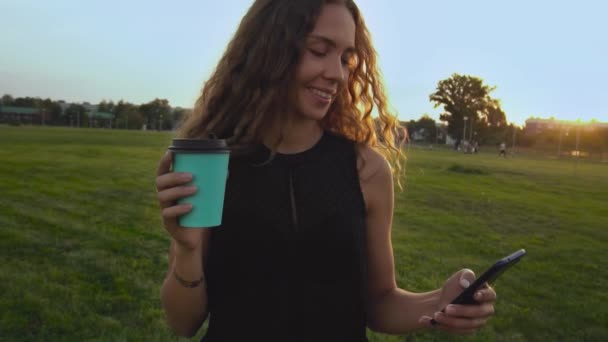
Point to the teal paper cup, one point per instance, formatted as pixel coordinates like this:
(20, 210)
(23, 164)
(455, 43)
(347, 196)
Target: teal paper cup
(207, 161)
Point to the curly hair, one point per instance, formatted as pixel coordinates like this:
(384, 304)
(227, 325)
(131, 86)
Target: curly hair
(247, 96)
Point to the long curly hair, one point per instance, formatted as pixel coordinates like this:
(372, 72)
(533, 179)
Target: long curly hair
(247, 96)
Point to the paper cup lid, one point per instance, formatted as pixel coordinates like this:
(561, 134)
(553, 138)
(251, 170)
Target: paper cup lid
(203, 145)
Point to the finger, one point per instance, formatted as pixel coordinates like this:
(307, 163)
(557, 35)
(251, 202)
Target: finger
(166, 197)
(177, 210)
(467, 277)
(172, 179)
(470, 311)
(432, 323)
(428, 321)
(459, 322)
(486, 294)
(164, 165)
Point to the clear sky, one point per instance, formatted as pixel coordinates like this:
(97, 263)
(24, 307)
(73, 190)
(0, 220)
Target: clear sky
(547, 58)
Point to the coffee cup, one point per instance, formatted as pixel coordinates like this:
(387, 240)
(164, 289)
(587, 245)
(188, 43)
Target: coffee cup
(207, 161)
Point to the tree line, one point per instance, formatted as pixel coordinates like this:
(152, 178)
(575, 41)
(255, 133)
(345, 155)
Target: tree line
(470, 113)
(156, 114)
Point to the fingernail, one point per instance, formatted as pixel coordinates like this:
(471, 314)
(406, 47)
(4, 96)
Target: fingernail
(185, 176)
(450, 309)
(478, 295)
(427, 320)
(465, 283)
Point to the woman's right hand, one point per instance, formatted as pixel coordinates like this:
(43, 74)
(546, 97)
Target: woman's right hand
(171, 186)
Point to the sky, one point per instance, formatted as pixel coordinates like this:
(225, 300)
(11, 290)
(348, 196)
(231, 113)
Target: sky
(546, 58)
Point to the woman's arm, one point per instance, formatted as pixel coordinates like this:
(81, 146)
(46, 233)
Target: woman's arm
(185, 301)
(185, 307)
(391, 309)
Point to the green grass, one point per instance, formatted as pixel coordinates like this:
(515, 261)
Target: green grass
(83, 254)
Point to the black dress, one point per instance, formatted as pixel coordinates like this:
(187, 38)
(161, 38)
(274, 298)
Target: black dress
(289, 261)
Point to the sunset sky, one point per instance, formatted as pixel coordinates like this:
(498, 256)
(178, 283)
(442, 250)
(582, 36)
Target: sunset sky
(546, 58)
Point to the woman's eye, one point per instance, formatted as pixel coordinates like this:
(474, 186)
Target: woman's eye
(317, 53)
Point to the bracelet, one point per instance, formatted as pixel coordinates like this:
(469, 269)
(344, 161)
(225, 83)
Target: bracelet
(187, 283)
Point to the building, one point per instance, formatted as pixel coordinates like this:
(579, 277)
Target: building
(536, 125)
(100, 119)
(21, 115)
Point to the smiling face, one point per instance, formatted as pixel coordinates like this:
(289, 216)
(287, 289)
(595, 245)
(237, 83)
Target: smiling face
(327, 57)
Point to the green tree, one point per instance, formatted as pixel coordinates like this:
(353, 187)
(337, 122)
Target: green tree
(52, 111)
(424, 128)
(75, 115)
(7, 100)
(178, 116)
(156, 113)
(105, 106)
(494, 116)
(32, 102)
(127, 115)
(467, 96)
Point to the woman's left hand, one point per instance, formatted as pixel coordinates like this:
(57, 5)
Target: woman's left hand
(461, 319)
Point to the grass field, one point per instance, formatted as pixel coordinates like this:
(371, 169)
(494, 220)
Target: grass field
(83, 254)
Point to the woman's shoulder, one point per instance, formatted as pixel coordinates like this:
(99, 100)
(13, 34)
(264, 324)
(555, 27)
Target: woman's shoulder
(372, 165)
(370, 162)
(375, 176)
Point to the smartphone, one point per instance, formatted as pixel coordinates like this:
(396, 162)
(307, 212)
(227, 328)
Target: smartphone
(489, 276)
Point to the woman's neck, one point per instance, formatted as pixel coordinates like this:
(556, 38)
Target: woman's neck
(298, 136)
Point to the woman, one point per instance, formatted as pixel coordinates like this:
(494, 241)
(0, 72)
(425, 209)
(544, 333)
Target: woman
(304, 251)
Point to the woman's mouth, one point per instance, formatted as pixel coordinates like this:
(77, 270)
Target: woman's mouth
(321, 95)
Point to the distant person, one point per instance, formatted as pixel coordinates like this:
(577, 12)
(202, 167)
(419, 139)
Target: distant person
(304, 250)
(467, 146)
(503, 150)
(475, 147)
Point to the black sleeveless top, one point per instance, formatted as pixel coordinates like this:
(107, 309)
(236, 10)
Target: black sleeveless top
(289, 261)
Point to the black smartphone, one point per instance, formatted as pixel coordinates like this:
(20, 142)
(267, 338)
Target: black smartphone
(466, 296)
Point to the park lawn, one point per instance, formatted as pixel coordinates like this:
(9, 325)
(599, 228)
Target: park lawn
(83, 255)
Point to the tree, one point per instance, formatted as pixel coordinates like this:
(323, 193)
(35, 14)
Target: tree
(156, 113)
(466, 96)
(75, 115)
(127, 115)
(494, 116)
(425, 129)
(52, 111)
(178, 115)
(32, 102)
(7, 100)
(105, 106)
